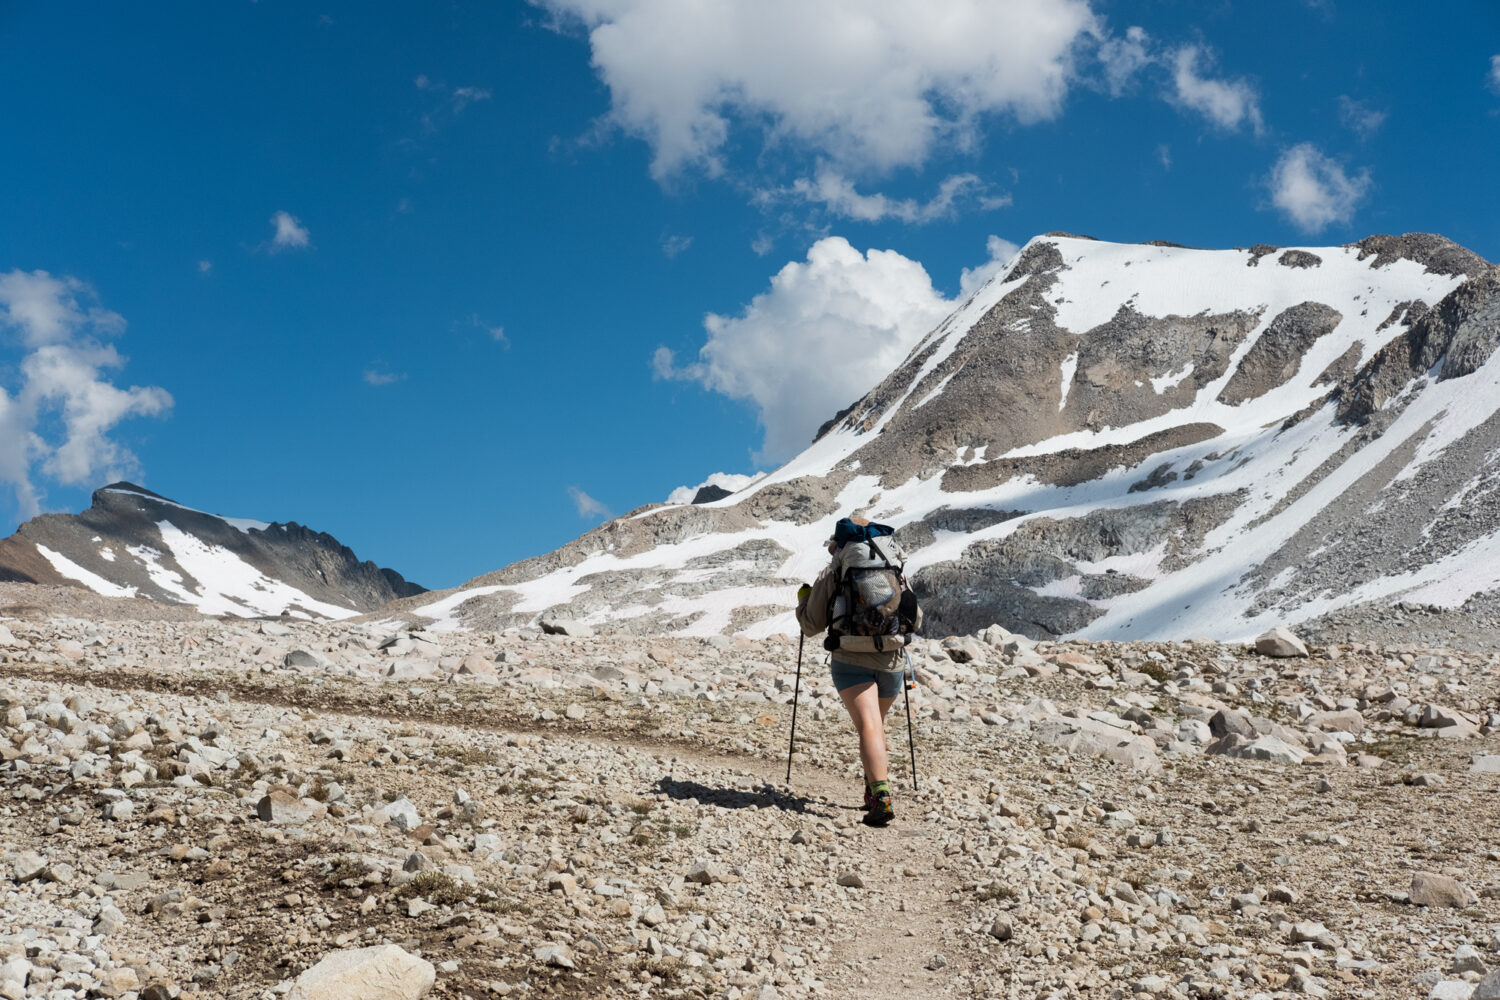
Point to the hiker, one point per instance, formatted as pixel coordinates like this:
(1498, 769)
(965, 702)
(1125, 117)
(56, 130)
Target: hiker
(867, 677)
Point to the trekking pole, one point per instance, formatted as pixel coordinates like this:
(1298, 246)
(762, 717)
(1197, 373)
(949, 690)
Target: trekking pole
(910, 682)
(796, 691)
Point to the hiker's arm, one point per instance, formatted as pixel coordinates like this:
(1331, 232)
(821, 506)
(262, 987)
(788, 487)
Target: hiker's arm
(812, 614)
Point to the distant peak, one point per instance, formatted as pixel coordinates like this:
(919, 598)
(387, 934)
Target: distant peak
(126, 487)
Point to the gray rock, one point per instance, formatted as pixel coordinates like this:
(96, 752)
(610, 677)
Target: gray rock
(1466, 958)
(402, 814)
(281, 805)
(1281, 642)
(1428, 889)
(1345, 721)
(559, 955)
(1486, 763)
(383, 972)
(1488, 987)
(706, 873)
(1452, 989)
(1091, 737)
(565, 626)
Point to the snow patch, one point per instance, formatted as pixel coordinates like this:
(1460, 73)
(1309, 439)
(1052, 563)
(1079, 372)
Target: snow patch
(93, 581)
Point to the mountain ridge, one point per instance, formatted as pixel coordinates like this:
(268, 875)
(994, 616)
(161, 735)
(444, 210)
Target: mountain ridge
(132, 542)
(1091, 398)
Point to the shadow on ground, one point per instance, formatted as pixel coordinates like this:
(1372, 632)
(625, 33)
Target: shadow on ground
(759, 797)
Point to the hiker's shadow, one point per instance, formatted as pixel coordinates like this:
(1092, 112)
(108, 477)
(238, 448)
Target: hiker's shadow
(761, 797)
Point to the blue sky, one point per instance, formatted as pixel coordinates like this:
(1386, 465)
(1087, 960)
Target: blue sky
(455, 281)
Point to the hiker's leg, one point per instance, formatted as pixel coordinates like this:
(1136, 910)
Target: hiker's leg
(869, 722)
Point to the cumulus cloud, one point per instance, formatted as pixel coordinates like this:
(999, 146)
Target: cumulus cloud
(290, 233)
(1226, 103)
(1359, 117)
(873, 85)
(824, 333)
(1002, 252)
(587, 506)
(58, 408)
(731, 481)
(1313, 190)
(840, 197)
(1495, 73)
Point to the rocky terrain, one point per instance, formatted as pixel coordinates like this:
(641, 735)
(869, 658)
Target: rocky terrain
(240, 808)
(135, 543)
(1116, 441)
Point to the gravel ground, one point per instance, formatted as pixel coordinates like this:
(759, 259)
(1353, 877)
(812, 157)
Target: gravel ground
(208, 808)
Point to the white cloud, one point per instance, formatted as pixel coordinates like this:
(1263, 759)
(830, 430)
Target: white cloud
(1359, 117)
(379, 377)
(205, 267)
(1226, 103)
(1002, 252)
(673, 245)
(838, 194)
(1164, 156)
(870, 84)
(56, 415)
(1123, 58)
(731, 481)
(464, 96)
(1313, 190)
(587, 506)
(1495, 73)
(290, 233)
(822, 336)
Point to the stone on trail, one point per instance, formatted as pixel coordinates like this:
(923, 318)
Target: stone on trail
(1280, 641)
(477, 664)
(305, 658)
(852, 880)
(566, 626)
(1486, 763)
(705, 873)
(383, 972)
(1428, 889)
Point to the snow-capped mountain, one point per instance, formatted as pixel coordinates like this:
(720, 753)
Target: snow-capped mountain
(135, 543)
(1112, 440)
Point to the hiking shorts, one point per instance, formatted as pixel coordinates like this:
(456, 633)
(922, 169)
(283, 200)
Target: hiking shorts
(887, 682)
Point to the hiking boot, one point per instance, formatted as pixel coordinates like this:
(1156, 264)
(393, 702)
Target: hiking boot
(878, 811)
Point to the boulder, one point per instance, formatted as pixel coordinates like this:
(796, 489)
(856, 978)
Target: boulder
(1428, 889)
(1266, 748)
(383, 972)
(1228, 722)
(565, 626)
(1345, 721)
(1486, 763)
(1488, 988)
(1101, 740)
(281, 805)
(476, 663)
(1280, 641)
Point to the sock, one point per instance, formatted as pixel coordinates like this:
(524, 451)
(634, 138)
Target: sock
(876, 787)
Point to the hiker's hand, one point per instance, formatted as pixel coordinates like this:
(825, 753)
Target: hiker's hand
(802, 593)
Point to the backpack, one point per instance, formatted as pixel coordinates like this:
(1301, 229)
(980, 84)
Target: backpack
(872, 608)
